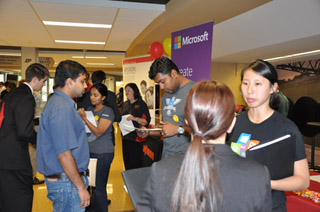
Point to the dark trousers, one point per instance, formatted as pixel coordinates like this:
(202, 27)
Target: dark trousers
(16, 193)
(132, 154)
(99, 199)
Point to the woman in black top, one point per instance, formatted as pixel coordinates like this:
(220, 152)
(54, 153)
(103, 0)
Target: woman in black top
(209, 177)
(262, 128)
(139, 114)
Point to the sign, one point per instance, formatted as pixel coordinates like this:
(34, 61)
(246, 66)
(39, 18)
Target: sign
(191, 51)
(10, 60)
(16, 61)
(46, 61)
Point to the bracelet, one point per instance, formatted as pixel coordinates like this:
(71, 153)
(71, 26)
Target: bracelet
(137, 119)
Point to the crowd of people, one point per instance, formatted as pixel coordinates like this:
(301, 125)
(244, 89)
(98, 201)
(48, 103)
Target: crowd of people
(201, 168)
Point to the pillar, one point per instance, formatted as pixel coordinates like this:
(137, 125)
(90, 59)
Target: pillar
(28, 56)
(111, 83)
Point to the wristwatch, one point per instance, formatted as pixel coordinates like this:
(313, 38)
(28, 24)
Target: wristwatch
(180, 130)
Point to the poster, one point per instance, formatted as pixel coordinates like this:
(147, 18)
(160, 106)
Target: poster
(135, 70)
(191, 51)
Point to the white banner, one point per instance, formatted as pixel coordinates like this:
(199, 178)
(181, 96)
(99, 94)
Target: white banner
(135, 70)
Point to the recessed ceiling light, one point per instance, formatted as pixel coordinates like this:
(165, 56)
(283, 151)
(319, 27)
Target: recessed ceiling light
(90, 57)
(100, 64)
(73, 24)
(293, 55)
(79, 42)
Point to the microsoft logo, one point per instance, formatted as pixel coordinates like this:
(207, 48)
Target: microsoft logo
(177, 42)
(187, 40)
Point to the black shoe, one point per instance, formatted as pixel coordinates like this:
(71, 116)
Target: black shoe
(36, 181)
(109, 202)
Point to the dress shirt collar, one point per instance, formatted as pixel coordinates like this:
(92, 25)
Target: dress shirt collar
(65, 96)
(29, 87)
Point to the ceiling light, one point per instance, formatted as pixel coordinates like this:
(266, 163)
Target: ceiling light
(293, 55)
(79, 42)
(89, 57)
(100, 64)
(73, 24)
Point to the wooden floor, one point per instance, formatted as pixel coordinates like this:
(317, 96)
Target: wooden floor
(120, 200)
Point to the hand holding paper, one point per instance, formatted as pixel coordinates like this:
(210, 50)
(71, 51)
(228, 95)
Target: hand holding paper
(168, 129)
(126, 126)
(89, 116)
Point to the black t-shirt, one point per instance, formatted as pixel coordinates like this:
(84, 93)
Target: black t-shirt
(276, 126)
(138, 109)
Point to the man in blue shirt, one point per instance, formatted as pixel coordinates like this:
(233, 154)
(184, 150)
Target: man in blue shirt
(62, 150)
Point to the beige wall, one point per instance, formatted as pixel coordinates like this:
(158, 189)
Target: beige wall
(230, 74)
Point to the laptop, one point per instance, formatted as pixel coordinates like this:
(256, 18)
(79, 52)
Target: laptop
(135, 180)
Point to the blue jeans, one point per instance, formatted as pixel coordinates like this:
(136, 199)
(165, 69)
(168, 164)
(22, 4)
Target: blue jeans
(99, 199)
(64, 195)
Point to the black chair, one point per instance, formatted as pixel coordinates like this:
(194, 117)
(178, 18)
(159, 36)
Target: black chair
(306, 110)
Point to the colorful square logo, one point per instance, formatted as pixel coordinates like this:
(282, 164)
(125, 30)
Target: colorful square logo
(177, 42)
(244, 138)
(239, 149)
(236, 147)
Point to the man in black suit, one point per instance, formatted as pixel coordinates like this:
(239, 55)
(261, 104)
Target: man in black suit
(16, 131)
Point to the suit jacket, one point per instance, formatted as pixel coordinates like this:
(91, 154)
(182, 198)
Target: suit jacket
(245, 184)
(17, 129)
(85, 102)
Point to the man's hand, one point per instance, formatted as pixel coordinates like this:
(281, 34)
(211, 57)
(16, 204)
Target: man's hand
(143, 133)
(82, 113)
(131, 118)
(84, 197)
(168, 129)
(70, 169)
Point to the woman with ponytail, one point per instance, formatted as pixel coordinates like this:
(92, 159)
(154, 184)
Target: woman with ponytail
(262, 124)
(209, 177)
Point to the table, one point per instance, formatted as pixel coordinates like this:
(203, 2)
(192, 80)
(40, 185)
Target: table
(296, 203)
(313, 144)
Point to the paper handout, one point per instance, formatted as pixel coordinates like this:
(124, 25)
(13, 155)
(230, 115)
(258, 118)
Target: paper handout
(125, 125)
(90, 118)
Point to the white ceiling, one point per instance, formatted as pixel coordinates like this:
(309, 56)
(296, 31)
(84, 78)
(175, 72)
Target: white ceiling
(244, 30)
(21, 25)
(278, 28)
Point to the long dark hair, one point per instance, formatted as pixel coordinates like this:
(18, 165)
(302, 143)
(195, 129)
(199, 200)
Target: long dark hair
(266, 70)
(135, 89)
(209, 112)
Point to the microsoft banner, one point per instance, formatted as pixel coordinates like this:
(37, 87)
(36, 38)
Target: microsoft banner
(191, 50)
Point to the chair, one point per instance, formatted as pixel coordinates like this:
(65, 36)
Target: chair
(307, 110)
